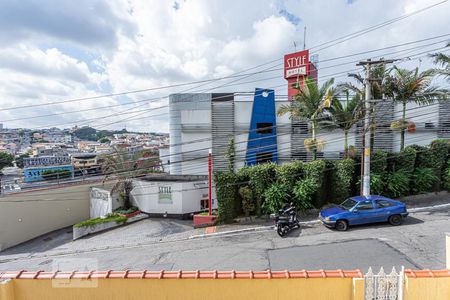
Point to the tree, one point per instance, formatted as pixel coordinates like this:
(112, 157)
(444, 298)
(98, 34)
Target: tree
(378, 75)
(411, 86)
(309, 105)
(443, 60)
(19, 159)
(344, 116)
(231, 154)
(104, 140)
(6, 160)
(120, 166)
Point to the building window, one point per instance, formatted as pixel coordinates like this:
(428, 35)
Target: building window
(263, 157)
(264, 128)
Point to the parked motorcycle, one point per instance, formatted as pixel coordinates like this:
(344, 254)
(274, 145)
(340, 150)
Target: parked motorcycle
(286, 219)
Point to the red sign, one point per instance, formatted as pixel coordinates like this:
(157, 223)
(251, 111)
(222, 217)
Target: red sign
(296, 64)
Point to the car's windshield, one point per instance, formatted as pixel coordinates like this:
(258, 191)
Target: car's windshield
(347, 204)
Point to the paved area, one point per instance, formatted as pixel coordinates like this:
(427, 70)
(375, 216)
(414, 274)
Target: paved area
(156, 244)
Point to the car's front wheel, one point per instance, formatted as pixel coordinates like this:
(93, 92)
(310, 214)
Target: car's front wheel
(341, 225)
(395, 220)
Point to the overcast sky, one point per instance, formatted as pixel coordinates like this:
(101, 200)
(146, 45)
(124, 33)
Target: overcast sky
(60, 50)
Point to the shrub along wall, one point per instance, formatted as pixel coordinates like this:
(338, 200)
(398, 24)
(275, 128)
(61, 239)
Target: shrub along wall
(263, 189)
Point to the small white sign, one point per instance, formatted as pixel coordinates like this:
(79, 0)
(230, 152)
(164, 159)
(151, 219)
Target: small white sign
(296, 71)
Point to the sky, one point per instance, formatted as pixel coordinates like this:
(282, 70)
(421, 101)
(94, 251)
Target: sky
(61, 51)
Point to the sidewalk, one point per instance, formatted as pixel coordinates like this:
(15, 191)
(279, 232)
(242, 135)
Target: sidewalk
(417, 203)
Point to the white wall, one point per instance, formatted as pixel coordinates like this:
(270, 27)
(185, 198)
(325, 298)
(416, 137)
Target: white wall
(185, 196)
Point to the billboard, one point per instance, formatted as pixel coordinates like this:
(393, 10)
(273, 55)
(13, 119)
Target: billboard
(296, 64)
(47, 173)
(46, 161)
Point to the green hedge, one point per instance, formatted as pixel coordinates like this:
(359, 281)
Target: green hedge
(342, 178)
(260, 178)
(315, 171)
(289, 173)
(227, 196)
(264, 188)
(379, 162)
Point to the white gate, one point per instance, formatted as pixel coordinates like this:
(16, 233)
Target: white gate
(383, 286)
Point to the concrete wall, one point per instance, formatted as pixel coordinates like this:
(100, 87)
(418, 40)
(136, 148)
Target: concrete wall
(311, 288)
(447, 249)
(27, 215)
(428, 288)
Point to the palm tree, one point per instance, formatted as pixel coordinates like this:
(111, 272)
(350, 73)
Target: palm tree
(410, 86)
(444, 61)
(378, 75)
(121, 166)
(344, 116)
(309, 105)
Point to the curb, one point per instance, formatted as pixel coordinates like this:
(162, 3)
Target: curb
(419, 209)
(265, 228)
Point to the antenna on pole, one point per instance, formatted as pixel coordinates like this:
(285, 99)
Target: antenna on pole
(304, 38)
(295, 46)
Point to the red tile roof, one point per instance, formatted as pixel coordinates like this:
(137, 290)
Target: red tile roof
(427, 273)
(183, 274)
(208, 274)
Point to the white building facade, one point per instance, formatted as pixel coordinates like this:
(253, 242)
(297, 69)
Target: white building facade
(199, 122)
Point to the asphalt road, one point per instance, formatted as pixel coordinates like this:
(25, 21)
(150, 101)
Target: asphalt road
(166, 244)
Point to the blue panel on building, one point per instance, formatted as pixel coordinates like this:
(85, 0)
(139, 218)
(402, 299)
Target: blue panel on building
(262, 137)
(36, 173)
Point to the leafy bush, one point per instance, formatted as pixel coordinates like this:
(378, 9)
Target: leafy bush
(402, 161)
(397, 184)
(124, 211)
(248, 203)
(275, 196)
(446, 177)
(377, 183)
(378, 162)
(423, 180)
(422, 154)
(438, 154)
(289, 173)
(226, 194)
(304, 191)
(342, 178)
(261, 177)
(315, 170)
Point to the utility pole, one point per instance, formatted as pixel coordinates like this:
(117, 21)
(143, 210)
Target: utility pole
(304, 38)
(367, 118)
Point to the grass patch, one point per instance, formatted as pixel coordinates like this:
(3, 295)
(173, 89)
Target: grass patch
(92, 222)
(123, 211)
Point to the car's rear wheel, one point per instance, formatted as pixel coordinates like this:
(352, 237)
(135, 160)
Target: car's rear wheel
(395, 220)
(341, 225)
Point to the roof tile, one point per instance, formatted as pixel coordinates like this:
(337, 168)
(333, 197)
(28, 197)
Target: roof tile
(268, 274)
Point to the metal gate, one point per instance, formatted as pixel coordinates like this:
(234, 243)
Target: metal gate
(383, 286)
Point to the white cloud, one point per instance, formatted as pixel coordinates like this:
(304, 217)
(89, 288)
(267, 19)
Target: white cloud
(139, 44)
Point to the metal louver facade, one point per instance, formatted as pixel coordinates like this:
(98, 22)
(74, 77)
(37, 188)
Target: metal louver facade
(384, 137)
(222, 120)
(444, 120)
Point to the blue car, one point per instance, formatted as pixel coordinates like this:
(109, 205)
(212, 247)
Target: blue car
(362, 210)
